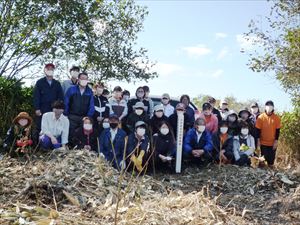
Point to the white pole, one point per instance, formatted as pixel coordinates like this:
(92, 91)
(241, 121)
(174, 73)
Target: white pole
(180, 123)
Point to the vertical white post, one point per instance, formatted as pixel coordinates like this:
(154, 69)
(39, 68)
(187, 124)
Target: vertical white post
(180, 123)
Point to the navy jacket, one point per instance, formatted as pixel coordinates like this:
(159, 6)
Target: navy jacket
(77, 104)
(190, 141)
(107, 147)
(44, 94)
(227, 146)
(133, 146)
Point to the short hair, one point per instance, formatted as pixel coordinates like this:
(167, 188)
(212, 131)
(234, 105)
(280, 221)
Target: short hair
(87, 118)
(125, 92)
(223, 123)
(82, 74)
(105, 92)
(146, 88)
(199, 120)
(59, 104)
(118, 89)
(99, 85)
(77, 68)
(243, 124)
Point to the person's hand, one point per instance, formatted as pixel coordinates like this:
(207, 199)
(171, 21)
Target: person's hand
(38, 112)
(275, 145)
(87, 147)
(54, 140)
(163, 158)
(197, 153)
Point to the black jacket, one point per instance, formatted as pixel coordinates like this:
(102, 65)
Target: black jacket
(44, 94)
(173, 122)
(80, 139)
(228, 146)
(218, 114)
(155, 122)
(133, 118)
(132, 102)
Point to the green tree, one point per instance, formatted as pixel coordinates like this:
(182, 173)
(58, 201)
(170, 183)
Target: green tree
(98, 35)
(279, 45)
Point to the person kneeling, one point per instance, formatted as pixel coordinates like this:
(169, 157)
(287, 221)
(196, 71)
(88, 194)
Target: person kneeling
(164, 146)
(55, 128)
(138, 146)
(112, 143)
(197, 144)
(243, 146)
(85, 137)
(223, 144)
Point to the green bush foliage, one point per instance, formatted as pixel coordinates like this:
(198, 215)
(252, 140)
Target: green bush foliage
(290, 133)
(14, 99)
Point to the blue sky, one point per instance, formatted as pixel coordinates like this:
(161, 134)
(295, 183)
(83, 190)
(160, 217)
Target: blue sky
(197, 45)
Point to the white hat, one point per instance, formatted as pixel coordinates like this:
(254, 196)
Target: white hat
(158, 107)
(139, 105)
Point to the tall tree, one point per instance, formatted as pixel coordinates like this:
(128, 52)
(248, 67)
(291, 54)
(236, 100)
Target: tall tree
(98, 35)
(279, 45)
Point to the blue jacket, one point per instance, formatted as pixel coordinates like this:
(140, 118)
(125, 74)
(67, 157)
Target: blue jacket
(77, 104)
(118, 145)
(44, 94)
(190, 141)
(133, 143)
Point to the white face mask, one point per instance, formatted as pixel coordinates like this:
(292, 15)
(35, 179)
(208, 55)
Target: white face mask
(200, 128)
(49, 72)
(223, 130)
(159, 114)
(88, 126)
(139, 112)
(254, 110)
(269, 108)
(83, 83)
(23, 122)
(99, 91)
(244, 131)
(165, 101)
(106, 125)
(164, 131)
(74, 74)
(141, 132)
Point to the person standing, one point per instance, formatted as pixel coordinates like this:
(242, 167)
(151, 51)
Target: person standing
(117, 105)
(139, 97)
(47, 90)
(211, 120)
(185, 100)
(215, 111)
(168, 108)
(79, 102)
(268, 126)
(101, 106)
(147, 98)
(74, 72)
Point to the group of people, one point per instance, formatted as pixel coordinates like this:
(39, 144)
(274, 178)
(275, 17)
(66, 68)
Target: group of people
(134, 132)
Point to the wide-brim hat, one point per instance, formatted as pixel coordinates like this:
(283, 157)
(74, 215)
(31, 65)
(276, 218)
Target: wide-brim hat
(22, 115)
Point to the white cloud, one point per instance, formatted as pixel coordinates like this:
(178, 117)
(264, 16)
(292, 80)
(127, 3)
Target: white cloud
(223, 53)
(247, 43)
(166, 69)
(218, 73)
(196, 51)
(221, 35)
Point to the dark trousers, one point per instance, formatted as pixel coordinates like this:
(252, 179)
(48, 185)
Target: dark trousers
(268, 153)
(205, 159)
(75, 122)
(243, 161)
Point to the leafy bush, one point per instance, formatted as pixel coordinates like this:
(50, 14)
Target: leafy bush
(14, 99)
(290, 134)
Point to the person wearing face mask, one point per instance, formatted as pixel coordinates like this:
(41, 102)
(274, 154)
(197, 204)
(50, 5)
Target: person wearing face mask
(157, 118)
(268, 126)
(147, 98)
(224, 111)
(197, 143)
(233, 123)
(18, 139)
(215, 111)
(101, 107)
(85, 137)
(243, 146)
(180, 109)
(222, 144)
(117, 105)
(55, 128)
(46, 91)
(168, 108)
(79, 103)
(138, 147)
(74, 72)
(254, 112)
(126, 95)
(164, 147)
(211, 120)
(112, 143)
(185, 100)
(138, 114)
(244, 115)
(139, 97)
